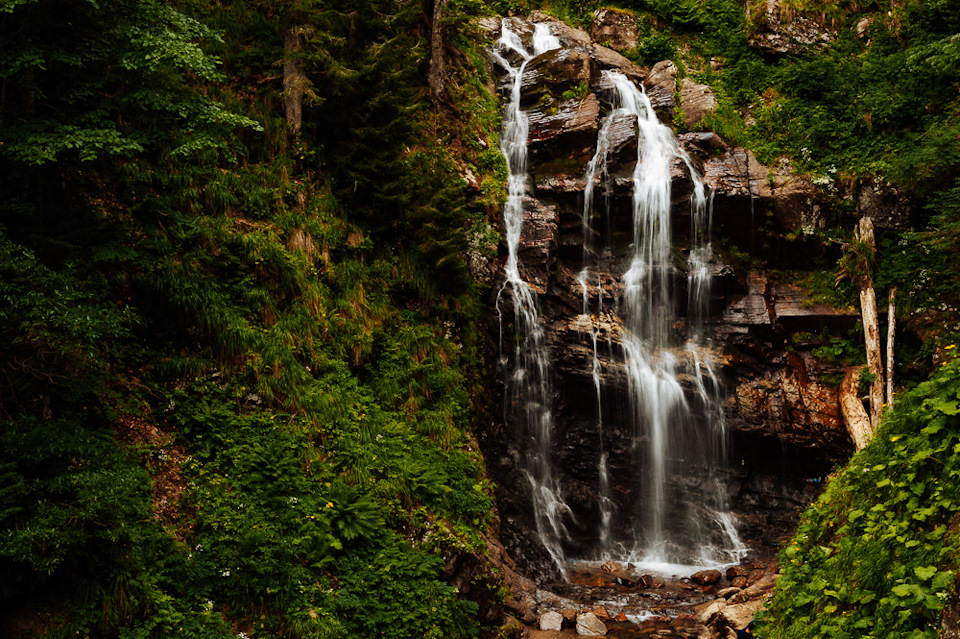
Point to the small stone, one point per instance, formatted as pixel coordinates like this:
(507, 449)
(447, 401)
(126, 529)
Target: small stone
(569, 614)
(601, 612)
(621, 617)
(650, 581)
(706, 577)
(739, 582)
(737, 571)
(588, 624)
(755, 576)
(551, 621)
(598, 582)
(726, 593)
(613, 567)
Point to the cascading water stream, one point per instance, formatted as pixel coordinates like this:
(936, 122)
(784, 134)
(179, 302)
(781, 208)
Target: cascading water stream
(678, 426)
(529, 392)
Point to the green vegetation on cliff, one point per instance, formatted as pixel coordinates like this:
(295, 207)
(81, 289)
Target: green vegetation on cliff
(876, 555)
(237, 364)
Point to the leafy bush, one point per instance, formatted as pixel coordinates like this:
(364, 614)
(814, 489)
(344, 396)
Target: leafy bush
(876, 555)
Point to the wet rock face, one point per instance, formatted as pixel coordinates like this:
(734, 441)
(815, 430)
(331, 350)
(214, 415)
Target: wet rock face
(783, 416)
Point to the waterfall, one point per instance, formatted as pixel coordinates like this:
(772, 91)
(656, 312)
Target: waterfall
(682, 428)
(676, 519)
(528, 397)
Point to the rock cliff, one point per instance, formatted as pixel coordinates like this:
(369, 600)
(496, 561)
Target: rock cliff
(780, 406)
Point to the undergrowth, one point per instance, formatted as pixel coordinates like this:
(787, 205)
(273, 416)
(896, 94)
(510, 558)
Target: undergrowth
(876, 555)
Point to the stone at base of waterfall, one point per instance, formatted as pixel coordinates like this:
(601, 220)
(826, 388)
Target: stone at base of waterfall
(612, 567)
(552, 620)
(706, 577)
(726, 593)
(712, 609)
(589, 625)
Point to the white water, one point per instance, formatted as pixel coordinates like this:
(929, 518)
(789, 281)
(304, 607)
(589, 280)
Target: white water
(529, 392)
(682, 428)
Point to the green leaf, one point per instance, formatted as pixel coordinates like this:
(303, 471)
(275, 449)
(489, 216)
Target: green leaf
(925, 572)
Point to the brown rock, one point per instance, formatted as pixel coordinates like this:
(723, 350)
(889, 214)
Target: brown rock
(727, 592)
(551, 621)
(620, 617)
(697, 101)
(739, 616)
(569, 131)
(553, 72)
(660, 86)
(569, 614)
(604, 58)
(650, 581)
(589, 625)
(706, 577)
(755, 576)
(712, 609)
(568, 36)
(601, 612)
(615, 29)
(739, 582)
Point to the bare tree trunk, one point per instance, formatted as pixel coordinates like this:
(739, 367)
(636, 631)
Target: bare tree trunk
(891, 331)
(871, 326)
(294, 77)
(854, 414)
(437, 71)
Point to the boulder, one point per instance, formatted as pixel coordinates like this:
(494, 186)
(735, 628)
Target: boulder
(711, 610)
(551, 621)
(615, 29)
(564, 132)
(552, 73)
(605, 58)
(697, 101)
(777, 29)
(883, 204)
(589, 625)
(661, 85)
(706, 577)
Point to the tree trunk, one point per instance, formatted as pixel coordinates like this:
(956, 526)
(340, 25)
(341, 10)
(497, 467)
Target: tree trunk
(891, 330)
(437, 71)
(871, 326)
(854, 414)
(294, 78)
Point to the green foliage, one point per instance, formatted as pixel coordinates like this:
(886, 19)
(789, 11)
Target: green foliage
(236, 369)
(578, 92)
(876, 555)
(140, 53)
